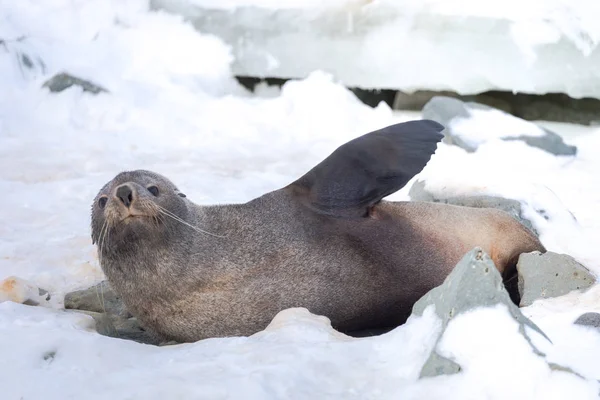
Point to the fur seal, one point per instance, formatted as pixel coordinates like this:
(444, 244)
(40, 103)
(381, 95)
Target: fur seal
(326, 242)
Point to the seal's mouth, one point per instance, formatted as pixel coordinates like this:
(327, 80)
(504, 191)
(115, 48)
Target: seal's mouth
(141, 211)
(135, 217)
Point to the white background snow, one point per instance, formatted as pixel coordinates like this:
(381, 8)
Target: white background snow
(465, 46)
(174, 108)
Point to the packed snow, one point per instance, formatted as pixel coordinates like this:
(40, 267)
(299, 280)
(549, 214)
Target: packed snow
(181, 113)
(499, 123)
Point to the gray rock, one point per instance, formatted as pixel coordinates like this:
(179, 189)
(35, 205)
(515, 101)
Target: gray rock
(103, 323)
(557, 107)
(551, 142)
(63, 80)
(111, 317)
(22, 291)
(591, 319)
(121, 328)
(100, 298)
(475, 282)
(513, 207)
(550, 275)
(444, 109)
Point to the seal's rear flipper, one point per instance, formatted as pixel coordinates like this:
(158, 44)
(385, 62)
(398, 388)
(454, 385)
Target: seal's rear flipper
(358, 174)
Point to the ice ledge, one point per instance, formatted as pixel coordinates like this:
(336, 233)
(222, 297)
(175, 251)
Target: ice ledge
(466, 46)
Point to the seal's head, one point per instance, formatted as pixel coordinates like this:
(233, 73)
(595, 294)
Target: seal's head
(136, 205)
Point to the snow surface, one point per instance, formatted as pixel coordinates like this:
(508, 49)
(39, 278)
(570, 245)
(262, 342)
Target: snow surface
(181, 113)
(498, 125)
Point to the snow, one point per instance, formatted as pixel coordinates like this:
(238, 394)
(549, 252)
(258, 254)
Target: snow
(466, 46)
(498, 125)
(554, 316)
(180, 113)
(527, 377)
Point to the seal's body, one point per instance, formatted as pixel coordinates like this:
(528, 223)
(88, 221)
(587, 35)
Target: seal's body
(326, 242)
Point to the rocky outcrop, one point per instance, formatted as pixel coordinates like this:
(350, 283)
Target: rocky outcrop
(475, 282)
(550, 275)
(100, 298)
(449, 111)
(107, 309)
(122, 328)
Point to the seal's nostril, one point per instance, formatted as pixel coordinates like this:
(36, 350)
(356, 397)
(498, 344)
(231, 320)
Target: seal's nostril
(125, 194)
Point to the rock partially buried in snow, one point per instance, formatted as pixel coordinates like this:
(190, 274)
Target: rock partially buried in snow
(470, 124)
(63, 81)
(591, 319)
(475, 282)
(21, 291)
(100, 298)
(121, 328)
(110, 315)
(550, 275)
(513, 207)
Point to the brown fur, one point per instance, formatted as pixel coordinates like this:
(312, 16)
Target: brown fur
(275, 253)
(326, 242)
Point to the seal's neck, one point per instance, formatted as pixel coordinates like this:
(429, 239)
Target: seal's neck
(130, 251)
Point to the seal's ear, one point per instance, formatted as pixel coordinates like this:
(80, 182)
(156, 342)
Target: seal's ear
(361, 172)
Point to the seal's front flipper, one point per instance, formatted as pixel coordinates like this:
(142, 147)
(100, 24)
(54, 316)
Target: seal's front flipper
(358, 174)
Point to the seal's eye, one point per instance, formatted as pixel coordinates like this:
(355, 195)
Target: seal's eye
(153, 190)
(102, 201)
(181, 194)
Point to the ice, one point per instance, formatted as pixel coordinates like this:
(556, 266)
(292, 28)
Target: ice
(467, 46)
(181, 113)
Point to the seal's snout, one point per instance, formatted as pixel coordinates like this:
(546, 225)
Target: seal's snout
(125, 194)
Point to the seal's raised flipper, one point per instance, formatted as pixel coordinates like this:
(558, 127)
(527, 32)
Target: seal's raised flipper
(358, 174)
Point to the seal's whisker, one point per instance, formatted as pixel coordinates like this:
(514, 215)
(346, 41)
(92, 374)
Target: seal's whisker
(107, 237)
(101, 239)
(148, 206)
(152, 210)
(169, 227)
(100, 296)
(176, 218)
